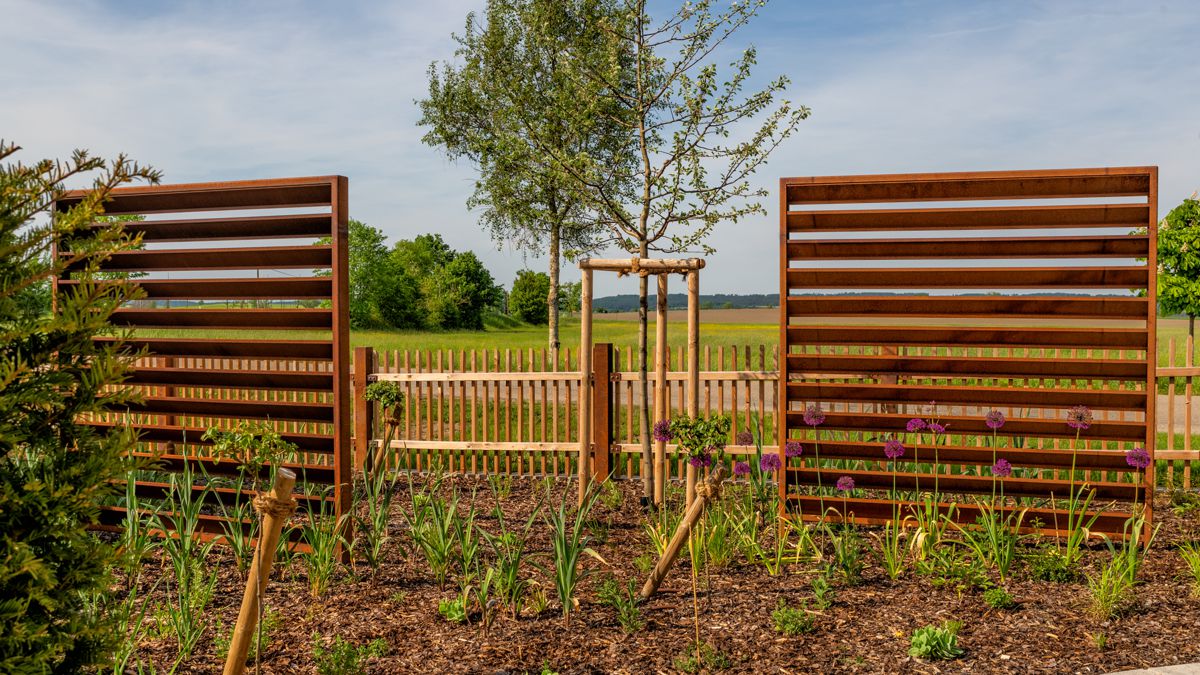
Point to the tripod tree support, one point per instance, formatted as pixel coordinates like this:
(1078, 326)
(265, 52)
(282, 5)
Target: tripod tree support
(706, 492)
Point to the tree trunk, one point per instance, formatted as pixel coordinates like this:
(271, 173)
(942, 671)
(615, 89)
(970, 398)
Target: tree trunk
(552, 298)
(643, 373)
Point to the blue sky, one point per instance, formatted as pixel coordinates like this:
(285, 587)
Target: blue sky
(230, 90)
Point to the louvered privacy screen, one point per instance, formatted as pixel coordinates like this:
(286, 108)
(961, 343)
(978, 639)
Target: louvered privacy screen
(230, 271)
(1029, 292)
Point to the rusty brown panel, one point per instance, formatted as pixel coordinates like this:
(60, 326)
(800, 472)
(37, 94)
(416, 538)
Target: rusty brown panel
(880, 511)
(1022, 306)
(215, 496)
(1107, 338)
(284, 319)
(202, 407)
(260, 257)
(236, 379)
(872, 451)
(1095, 246)
(959, 366)
(231, 195)
(307, 226)
(313, 350)
(1007, 396)
(970, 277)
(230, 289)
(170, 433)
(1074, 183)
(889, 423)
(209, 527)
(956, 484)
(976, 218)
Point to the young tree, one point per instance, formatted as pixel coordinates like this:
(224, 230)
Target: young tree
(527, 301)
(54, 469)
(1179, 262)
(684, 174)
(510, 95)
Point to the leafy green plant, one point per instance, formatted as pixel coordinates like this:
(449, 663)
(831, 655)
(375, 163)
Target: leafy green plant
(1185, 503)
(1190, 553)
(536, 599)
(611, 496)
(323, 534)
(702, 657)
(644, 563)
(700, 436)
(1047, 563)
(466, 550)
(389, 396)
(995, 537)
(240, 528)
(892, 551)
(568, 546)
(624, 600)
(1111, 588)
(268, 623)
(454, 610)
(508, 550)
(792, 620)
(437, 536)
(660, 528)
(954, 567)
(720, 537)
(998, 598)
(254, 446)
(501, 485)
(848, 555)
(344, 658)
(371, 529)
(936, 642)
(823, 593)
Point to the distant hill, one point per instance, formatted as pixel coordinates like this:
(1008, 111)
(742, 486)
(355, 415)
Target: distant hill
(629, 303)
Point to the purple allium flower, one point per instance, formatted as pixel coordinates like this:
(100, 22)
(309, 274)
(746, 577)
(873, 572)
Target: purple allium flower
(702, 460)
(994, 419)
(894, 449)
(744, 438)
(793, 449)
(741, 469)
(845, 484)
(1138, 458)
(662, 431)
(1002, 468)
(769, 463)
(916, 424)
(814, 416)
(937, 428)
(1079, 417)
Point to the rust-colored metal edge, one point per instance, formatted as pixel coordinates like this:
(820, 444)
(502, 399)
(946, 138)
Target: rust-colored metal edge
(893, 423)
(958, 484)
(872, 451)
(970, 277)
(963, 366)
(298, 226)
(969, 218)
(234, 319)
(1101, 338)
(1005, 396)
(204, 407)
(234, 379)
(309, 350)
(184, 435)
(275, 288)
(1086, 246)
(226, 195)
(942, 306)
(241, 258)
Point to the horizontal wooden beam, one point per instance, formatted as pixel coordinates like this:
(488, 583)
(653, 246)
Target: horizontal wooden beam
(963, 366)
(226, 195)
(971, 218)
(633, 265)
(885, 423)
(242, 258)
(309, 350)
(970, 277)
(205, 407)
(1093, 246)
(188, 436)
(1096, 338)
(950, 306)
(274, 288)
(957, 484)
(1007, 396)
(190, 317)
(302, 226)
(217, 378)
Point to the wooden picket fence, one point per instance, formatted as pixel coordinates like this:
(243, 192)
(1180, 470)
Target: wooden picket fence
(516, 411)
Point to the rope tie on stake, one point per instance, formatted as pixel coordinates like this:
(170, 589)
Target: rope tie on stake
(708, 490)
(267, 505)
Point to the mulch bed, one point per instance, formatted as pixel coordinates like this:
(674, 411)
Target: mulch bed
(865, 631)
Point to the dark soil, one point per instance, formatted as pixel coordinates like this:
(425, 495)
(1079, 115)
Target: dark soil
(865, 630)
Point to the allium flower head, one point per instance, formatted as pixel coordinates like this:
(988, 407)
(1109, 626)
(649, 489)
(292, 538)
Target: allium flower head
(916, 424)
(769, 463)
(1079, 417)
(894, 449)
(741, 469)
(662, 431)
(937, 428)
(702, 460)
(1002, 468)
(845, 484)
(745, 438)
(814, 416)
(793, 449)
(994, 419)
(1138, 458)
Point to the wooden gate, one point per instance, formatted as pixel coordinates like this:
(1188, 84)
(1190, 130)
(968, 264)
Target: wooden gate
(230, 271)
(1027, 292)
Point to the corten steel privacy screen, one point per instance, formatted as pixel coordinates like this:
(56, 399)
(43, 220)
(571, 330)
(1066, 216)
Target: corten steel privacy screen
(230, 272)
(949, 295)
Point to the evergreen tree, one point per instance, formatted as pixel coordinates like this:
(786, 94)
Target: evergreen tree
(55, 471)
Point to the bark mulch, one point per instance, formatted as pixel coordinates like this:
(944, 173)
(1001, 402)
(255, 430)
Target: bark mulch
(866, 630)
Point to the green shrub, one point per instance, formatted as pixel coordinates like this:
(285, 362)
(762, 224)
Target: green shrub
(1047, 564)
(792, 620)
(623, 599)
(528, 298)
(936, 642)
(1190, 552)
(54, 470)
(998, 598)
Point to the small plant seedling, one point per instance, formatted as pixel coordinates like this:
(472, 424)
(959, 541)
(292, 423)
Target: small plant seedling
(644, 563)
(998, 598)
(453, 610)
(610, 495)
(1099, 640)
(936, 642)
(623, 599)
(702, 657)
(1047, 564)
(792, 620)
(1190, 552)
(344, 658)
(823, 593)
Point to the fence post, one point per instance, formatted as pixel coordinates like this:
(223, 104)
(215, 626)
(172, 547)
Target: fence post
(601, 410)
(364, 412)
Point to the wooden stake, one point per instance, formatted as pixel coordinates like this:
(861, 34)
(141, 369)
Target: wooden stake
(276, 509)
(708, 492)
(661, 411)
(585, 383)
(693, 366)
